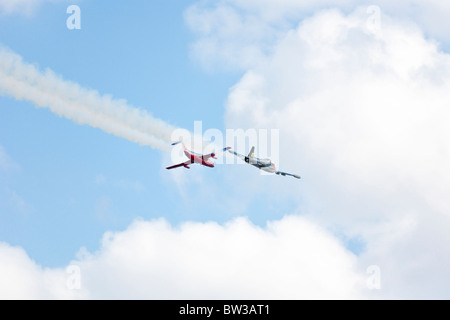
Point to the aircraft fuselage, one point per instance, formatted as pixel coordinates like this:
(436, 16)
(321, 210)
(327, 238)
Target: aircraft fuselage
(263, 164)
(197, 158)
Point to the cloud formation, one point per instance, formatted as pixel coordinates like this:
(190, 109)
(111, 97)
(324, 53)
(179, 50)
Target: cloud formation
(363, 117)
(292, 258)
(241, 34)
(22, 278)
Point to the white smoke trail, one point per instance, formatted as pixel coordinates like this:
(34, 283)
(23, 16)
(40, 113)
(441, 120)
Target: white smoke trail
(47, 90)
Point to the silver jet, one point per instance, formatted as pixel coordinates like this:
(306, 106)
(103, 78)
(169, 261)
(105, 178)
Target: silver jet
(263, 164)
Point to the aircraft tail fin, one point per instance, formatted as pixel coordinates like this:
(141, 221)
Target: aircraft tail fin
(252, 152)
(184, 147)
(178, 142)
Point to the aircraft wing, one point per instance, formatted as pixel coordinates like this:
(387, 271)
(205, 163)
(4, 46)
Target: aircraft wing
(287, 174)
(184, 164)
(240, 156)
(207, 156)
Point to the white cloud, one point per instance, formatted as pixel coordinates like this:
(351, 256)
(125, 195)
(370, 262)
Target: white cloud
(374, 109)
(227, 36)
(241, 34)
(363, 118)
(412, 253)
(22, 278)
(292, 258)
(364, 121)
(24, 7)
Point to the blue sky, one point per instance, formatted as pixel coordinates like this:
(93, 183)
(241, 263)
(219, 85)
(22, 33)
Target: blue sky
(75, 182)
(144, 60)
(360, 102)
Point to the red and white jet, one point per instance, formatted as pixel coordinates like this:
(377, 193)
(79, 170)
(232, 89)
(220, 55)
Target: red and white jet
(202, 159)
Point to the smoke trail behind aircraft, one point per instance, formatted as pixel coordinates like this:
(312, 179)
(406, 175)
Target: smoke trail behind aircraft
(46, 89)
